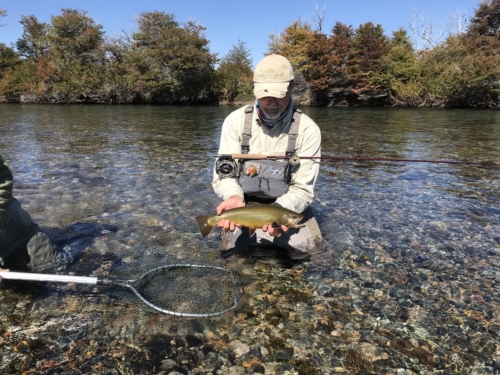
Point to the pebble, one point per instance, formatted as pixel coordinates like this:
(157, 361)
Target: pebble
(239, 348)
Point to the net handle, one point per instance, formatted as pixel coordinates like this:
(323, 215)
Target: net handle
(29, 276)
(124, 283)
(48, 277)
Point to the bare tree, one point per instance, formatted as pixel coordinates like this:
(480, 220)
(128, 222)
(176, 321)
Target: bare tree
(428, 33)
(459, 22)
(117, 47)
(425, 34)
(3, 13)
(319, 16)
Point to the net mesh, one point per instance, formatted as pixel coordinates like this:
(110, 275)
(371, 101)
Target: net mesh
(190, 289)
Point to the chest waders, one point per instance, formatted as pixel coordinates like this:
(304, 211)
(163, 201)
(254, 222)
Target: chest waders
(22, 243)
(267, 179)
(264, 181)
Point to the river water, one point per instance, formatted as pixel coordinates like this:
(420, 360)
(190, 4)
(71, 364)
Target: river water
(409, 282)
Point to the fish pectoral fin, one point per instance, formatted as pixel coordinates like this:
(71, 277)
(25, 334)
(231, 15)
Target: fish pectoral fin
(298, 226)
(275, 225)
(251, 231)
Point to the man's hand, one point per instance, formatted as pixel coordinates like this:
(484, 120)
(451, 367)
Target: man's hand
(232, 202)
(275, 231)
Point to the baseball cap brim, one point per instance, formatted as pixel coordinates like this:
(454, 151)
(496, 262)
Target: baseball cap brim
(265, 89)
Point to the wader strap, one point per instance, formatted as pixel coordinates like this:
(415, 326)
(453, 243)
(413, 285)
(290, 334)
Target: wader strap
(293, 133)
(247, 130)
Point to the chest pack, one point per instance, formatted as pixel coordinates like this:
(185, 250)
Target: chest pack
(267, 178)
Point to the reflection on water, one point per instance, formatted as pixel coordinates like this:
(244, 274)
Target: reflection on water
(410, 280)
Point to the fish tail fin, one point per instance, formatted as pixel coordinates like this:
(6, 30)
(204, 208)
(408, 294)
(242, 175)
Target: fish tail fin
(205, 227)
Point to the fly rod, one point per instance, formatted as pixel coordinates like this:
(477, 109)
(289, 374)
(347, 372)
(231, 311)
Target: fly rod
(342, 158)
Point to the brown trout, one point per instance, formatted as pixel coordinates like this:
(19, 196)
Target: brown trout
(252, 216)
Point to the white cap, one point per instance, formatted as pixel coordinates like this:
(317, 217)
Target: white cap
(272, 77)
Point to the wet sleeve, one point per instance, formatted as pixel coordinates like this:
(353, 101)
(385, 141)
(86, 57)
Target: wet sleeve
(5, 188)
(300, 194)
(229, 144)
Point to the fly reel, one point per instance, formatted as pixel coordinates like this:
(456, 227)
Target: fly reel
(226, 167)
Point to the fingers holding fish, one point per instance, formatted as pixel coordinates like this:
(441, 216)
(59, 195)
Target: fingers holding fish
(226, 225)
(234, 201)
(275, 231)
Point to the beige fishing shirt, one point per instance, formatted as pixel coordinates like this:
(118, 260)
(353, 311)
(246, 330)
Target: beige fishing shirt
(273, 142)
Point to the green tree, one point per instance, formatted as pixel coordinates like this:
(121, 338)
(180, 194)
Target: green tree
(293, 44)
(235, 71)
(120, 85)
(370, 44)
(9, 59)
(398, 69)
(463, 71)
(171, 62)
(486, 20)
(342, 40)
(321, 70)
(195, 65)
(75, 66)
(74, 37)
(34, 42)
(33, 74)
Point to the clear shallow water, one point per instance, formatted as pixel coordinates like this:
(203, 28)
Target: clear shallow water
(410, 281)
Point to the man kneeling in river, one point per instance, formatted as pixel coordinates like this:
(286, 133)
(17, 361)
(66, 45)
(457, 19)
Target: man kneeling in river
(22, 243)
(272, 126)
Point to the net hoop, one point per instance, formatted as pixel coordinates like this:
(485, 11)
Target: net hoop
(236, 300)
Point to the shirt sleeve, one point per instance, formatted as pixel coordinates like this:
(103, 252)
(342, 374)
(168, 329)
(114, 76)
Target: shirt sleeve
(300, 194)
(230, 143)
(5, 188)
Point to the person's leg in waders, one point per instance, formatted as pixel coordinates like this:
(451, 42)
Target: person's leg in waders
(300, 243)
(23, 245)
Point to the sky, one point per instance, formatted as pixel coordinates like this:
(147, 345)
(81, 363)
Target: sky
(252, 22)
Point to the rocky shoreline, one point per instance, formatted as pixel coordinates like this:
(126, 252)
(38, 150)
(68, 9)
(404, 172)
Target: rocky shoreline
(338, 98)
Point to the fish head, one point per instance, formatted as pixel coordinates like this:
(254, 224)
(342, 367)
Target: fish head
(291, 220)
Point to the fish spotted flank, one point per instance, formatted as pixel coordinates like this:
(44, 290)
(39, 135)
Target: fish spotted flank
(252, 216)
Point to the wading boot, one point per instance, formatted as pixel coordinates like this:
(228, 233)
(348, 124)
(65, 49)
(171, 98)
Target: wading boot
(44, 255)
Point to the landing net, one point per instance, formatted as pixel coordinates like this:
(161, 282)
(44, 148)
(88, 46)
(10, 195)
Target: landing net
(189, 290)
